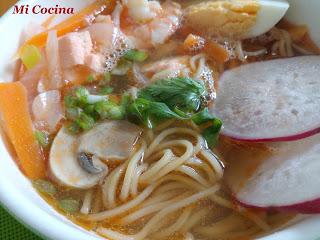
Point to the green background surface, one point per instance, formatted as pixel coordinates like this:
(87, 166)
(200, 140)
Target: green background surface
(11, 229)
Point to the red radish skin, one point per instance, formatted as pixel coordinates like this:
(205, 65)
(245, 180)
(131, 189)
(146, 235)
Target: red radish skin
(279, 139)
(270, 101)
(309, 207)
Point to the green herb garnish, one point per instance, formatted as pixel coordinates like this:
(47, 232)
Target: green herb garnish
(211, 134)
(184, 94)
(136, 55)
(150, 113)
(175, 98)
(202, 117)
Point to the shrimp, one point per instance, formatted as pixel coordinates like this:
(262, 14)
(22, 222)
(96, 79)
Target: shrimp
(167, 68)
(148, 24)
(142, 10)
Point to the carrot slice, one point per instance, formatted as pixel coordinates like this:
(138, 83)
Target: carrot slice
(77, 21)
(193, 43)
(216, 51)
(18, 126)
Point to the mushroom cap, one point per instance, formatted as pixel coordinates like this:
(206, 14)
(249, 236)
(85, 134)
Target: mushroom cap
(110, 140)
(64, 166)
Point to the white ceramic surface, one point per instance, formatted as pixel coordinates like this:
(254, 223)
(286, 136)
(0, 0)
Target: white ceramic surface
(16, 192)
(306, 12)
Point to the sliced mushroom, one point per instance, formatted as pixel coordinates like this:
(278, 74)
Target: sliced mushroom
(88, 163)
(64, 165)
(110, 140)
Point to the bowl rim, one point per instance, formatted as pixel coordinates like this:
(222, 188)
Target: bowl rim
(57, 229)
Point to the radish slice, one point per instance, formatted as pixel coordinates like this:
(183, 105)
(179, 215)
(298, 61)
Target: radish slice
(289, 179)
(276, 100)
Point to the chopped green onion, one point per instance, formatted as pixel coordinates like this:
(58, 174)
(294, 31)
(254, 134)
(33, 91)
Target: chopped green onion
(69, 205)
(85, 121)
(122, 67)
(73, 128)
(91, 78)
(73, 112)
(116, 113)
(105, 90)
(136, 55)
(82, 94)
(109, 110)
(44, 186)
(92, 99)
(103, 108)
(30, 56)
(106, 77)
(70, 101)
(89, 109)
(84, 109)
(211, 134)
(42, 138)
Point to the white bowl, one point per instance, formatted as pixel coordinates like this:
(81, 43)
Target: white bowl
(16, 192)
